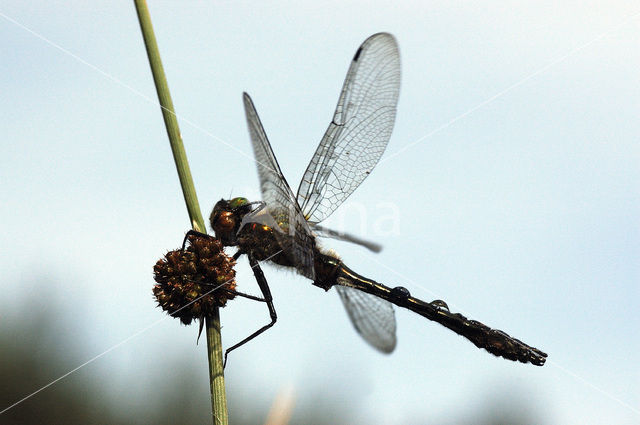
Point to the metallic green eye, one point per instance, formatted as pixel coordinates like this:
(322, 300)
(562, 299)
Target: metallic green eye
(238, 202)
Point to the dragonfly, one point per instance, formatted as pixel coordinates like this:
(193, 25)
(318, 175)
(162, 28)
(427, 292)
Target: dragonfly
(283, 227)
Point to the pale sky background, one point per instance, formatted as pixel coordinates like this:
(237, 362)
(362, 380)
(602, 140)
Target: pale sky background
(512, 171)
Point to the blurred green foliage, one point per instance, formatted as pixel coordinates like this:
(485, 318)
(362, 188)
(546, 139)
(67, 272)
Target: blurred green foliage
(43, 339)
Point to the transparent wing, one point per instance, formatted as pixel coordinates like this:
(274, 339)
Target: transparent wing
(344, 236)
(373, 317)
(296, 238)
(360, 129)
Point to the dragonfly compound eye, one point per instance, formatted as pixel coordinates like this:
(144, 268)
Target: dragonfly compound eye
(224, 224)
(238, 202)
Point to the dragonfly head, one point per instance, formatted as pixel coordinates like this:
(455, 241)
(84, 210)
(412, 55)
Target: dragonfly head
(226, 217)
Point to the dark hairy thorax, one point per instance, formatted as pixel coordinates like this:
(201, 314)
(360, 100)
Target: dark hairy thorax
(260, 241)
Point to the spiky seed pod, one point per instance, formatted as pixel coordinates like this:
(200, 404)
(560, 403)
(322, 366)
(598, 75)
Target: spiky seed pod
(193, 281)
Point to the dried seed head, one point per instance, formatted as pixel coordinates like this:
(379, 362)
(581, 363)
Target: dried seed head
(194, 281)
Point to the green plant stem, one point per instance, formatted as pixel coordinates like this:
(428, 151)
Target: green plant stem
(214, 340)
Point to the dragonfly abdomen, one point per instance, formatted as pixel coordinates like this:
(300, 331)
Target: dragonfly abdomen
(494, 341)
(327, 269)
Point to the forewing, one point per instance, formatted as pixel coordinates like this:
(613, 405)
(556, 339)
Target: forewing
(360, 129)
(373, 317)
(296, 238)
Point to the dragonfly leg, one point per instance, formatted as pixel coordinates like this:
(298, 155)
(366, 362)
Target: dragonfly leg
(268, 299)
(242, 294)
(194, 233)
(229, 291)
